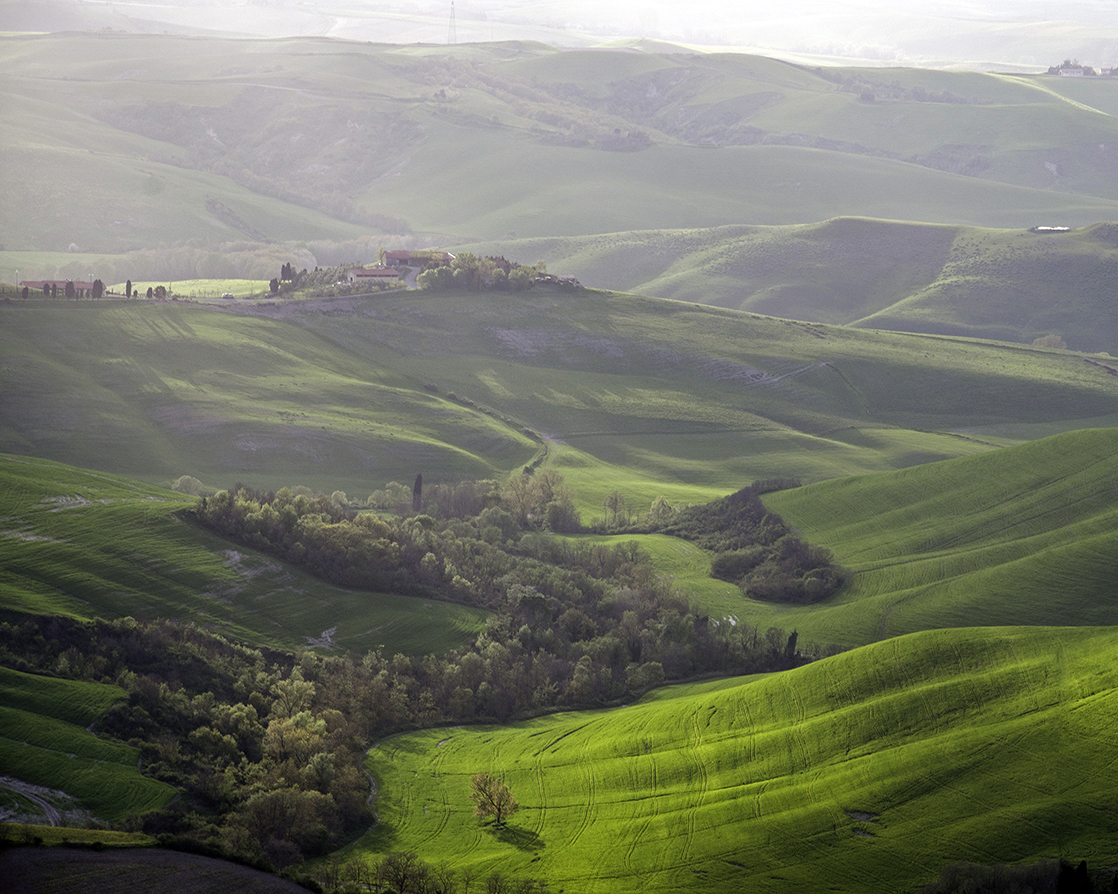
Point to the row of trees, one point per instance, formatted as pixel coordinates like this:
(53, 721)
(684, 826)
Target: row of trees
(69, 290)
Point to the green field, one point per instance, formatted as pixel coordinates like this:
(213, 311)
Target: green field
(202, 145)
(864, 772)
(1011, 285)
(966, 479)
(646, 396)
(45, 742)
(87, 545)
(203, 288)
(1017, 536)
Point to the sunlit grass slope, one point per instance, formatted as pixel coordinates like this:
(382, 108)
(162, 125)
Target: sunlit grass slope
(88, 545)
(158, 392)
(44, 741)
(1025, 535)
(1012, 285)
(634, 394)
(866, 772)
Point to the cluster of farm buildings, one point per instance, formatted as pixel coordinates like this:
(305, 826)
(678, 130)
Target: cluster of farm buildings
(389, 270)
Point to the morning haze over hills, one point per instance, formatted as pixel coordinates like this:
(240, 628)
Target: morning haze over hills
(491, 367)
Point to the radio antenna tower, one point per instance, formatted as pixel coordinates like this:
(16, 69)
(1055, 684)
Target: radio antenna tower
(452, 33)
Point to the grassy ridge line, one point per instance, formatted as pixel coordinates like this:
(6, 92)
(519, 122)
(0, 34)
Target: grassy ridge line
(865, 772)
(1004, 284)
(88, 545)
(195, 391)
(45, 742)
(659, 395)
(1017, 536)
(175, 122)
(552, 190)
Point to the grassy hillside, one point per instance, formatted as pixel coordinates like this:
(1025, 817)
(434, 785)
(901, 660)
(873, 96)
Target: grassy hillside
(865, 772)
(45, 742)
(1017, 536)
(89, 545)
(1011, 285)
(642, 395)
(122, 141)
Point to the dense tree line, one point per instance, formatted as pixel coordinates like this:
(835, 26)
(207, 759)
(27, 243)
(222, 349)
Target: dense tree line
(485, 274)
(267, 744)
(752, 547)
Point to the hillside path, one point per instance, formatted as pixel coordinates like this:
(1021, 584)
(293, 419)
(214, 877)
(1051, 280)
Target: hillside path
(30, 792)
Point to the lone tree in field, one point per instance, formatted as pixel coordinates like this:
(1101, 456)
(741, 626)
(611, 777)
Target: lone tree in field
(492, 797)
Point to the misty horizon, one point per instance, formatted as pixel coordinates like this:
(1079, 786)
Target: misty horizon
(963, 34)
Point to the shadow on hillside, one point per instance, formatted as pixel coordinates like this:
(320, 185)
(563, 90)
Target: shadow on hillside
(519, 838)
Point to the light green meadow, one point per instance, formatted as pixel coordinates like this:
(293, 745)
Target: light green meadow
(88, 545)
(868, 771)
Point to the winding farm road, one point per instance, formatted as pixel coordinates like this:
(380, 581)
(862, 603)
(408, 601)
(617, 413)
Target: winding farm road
(31, 793)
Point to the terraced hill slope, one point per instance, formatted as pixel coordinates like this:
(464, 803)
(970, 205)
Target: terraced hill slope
(868, 771)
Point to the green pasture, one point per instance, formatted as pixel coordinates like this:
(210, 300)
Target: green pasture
(203, 288)
(1022, 535)
(159, 393)
(1017, 536)
(547, 190)
(869, 771)
(45, 742)
(89, 545)
(162, 140)
(645, 396)
(1005, 284)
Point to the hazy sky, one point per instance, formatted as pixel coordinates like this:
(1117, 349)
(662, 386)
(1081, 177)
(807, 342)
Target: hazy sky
(984, 34)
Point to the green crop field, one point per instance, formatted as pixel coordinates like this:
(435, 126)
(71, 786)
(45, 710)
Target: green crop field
(203, 288)
(213, 142)
(1017, 536)
(88, 545)
(864, 772)
(963, 476)
(45, 742)
(646, 396)
(1011, 285)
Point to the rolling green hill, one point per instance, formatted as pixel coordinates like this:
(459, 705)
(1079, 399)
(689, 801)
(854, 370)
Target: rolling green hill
(868, 771)
(88, 545)
(1017, 536)
(45, 742)
(119, 141)
(648, 396)
(1011, 285)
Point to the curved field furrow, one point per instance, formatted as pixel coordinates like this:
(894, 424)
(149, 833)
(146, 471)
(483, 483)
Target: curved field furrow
(867, 771)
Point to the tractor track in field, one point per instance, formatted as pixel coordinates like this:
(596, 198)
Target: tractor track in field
(33, 794)
(591, 798)
(695, 757)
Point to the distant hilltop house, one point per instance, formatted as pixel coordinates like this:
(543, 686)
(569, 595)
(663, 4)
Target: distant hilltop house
(1071, 68)
(373, 274)
(404, 258)
(567, 282)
